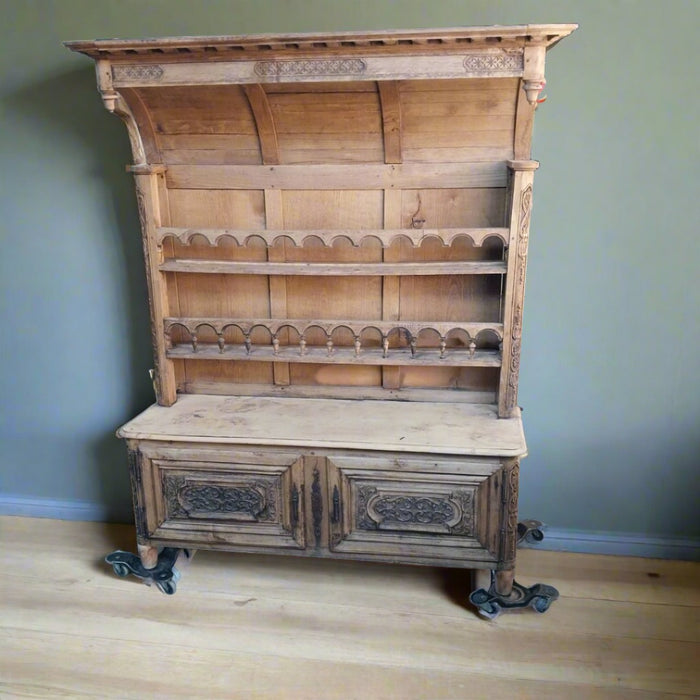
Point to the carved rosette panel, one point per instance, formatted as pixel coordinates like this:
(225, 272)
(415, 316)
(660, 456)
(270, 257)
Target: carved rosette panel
(188, 498)
(310, 67)
(488, 64)
(451, 513)
(517, 321)
(137, 73)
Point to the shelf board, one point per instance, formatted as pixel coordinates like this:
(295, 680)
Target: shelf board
(438, 428)
(228, 267)
(453, 357)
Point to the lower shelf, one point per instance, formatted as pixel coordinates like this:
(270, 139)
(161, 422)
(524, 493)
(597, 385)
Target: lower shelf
(339, 355)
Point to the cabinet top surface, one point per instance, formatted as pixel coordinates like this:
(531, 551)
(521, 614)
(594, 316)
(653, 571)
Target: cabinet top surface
(412, 41)
(440, 428)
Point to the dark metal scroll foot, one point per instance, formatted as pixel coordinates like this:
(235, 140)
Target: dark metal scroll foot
(163, 574)
(530, 531)
(491, 604)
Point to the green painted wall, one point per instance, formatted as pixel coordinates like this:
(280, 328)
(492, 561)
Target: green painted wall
(611, 368)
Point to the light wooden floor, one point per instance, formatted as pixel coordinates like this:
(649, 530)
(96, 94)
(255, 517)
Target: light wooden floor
(266, 627)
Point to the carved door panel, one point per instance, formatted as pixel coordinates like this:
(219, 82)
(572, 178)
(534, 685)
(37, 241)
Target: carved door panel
(416, 510)
(229, 497)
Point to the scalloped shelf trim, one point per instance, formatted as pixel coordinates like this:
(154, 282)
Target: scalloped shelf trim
(444, 329)
(447, 236)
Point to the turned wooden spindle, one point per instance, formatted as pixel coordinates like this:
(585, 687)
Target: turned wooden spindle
(472, 349)
(385, 346)
(194, 342)
(302, 345)
(221, 342)
(443, 348)
(329, 346)
(358, 345)
(275, 345)
(246, 342)
(412, 344)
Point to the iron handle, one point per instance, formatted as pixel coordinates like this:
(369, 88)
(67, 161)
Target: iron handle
(294, 506)
(335, 515)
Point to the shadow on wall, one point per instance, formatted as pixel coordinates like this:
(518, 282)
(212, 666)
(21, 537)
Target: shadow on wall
(94, 147)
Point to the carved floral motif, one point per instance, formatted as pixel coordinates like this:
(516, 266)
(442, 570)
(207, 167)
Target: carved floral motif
(493, 63)
(137, 72)
(517, 321)
(512, 525)
(186, 498)
(310, 67)
(452, 512)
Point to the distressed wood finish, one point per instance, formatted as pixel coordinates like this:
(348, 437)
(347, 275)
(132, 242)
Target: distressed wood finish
(335, 232)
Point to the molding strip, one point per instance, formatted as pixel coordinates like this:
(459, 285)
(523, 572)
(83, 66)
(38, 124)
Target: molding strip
(57, 509)
(624, 544)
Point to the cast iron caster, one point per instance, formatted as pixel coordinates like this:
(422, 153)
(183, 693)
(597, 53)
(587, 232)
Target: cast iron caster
(530, 531)
(491, 604)
(163, 574)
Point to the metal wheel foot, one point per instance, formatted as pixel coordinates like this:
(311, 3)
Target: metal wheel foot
(163, 574)
(490, 604)
(530, 531)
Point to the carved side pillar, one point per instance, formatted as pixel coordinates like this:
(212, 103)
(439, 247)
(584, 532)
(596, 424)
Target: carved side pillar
(520, 208)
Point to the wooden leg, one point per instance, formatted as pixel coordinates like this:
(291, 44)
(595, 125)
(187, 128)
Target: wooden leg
(148, 555)
(481, 578)
(504, 582)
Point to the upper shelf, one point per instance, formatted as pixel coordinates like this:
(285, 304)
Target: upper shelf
(375, 42)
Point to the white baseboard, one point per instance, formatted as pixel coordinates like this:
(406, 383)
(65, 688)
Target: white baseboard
(620, 543)
(556, 539)
(52, 508)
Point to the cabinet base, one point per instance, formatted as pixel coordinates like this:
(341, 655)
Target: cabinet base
(163, 574)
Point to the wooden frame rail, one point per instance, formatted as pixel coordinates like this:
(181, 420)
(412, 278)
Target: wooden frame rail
(334, 354)
(339, 176)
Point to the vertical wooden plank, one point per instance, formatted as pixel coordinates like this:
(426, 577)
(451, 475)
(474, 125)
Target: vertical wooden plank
(390, 101)
(274, 219)
(520, 208)
(524, 119)
(391, 119)
(391, 376)
(147, 184)
(264, 122)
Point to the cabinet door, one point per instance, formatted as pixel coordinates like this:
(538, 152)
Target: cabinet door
(227, 497)
(418, 510)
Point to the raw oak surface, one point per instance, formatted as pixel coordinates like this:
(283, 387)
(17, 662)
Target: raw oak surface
(277, 627)
(463, 429)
